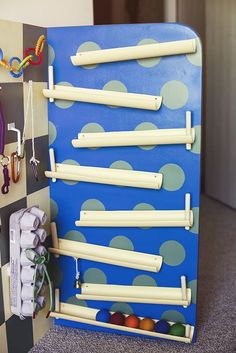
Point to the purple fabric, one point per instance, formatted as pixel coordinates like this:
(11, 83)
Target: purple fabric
(2, 130)
(6, 180)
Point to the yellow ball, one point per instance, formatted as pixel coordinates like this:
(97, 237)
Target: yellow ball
(147, 324)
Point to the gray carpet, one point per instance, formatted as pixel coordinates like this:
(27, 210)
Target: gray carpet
(216, 300)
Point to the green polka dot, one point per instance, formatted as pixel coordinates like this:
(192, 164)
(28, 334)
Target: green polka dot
(143, 206)
(146, 126)
(73, 300)
(61, 103)
(122, 307)
(94, 275)
(93, 205)
(144, 280)
(196, 58)
(150, 62)
(196, 146)
(75, 236)
(173, 177)
(121, 165)
(173, 253)
(174, 316)
(88, 46)
(194, 228)
(121, 242)
(51, 55)
(116, 86)
(90, 128)
(175, 94)
(193, 285)
(70, 162)
(52, 132)
(53, 209)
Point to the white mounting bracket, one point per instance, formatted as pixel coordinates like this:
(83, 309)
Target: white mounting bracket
(11, 127)
(50, 81)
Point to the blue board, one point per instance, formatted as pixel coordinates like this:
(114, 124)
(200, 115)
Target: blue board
(178, 80)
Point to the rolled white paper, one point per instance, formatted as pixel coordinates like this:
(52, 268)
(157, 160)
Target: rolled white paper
(134, 52)
(41, 250)
(42, 234)
(28, 240)
(39, 213)
(28, 307)
(29, 221)
(24, 260)
(27, 274)
(27, 292)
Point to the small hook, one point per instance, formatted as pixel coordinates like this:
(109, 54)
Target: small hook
(15, 172)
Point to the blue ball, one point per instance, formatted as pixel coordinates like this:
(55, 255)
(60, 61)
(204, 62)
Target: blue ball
(162, 326)
(103, 315)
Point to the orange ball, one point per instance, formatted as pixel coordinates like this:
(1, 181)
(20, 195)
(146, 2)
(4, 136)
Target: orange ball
(132, 321)
(147, 324)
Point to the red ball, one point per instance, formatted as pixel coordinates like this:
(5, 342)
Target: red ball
(117, 318)
(132, 321)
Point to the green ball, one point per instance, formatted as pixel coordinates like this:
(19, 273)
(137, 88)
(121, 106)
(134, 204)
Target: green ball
(177, 330)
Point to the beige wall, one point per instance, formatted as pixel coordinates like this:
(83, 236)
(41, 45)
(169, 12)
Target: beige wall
(170, 10)
(220, 96)
(48, 13)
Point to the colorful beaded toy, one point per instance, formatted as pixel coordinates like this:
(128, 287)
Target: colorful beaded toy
(32, 56)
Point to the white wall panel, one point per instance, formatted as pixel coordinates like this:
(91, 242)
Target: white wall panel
(49, 13)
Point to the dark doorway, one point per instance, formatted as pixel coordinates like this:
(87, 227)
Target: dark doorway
(128, 11)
